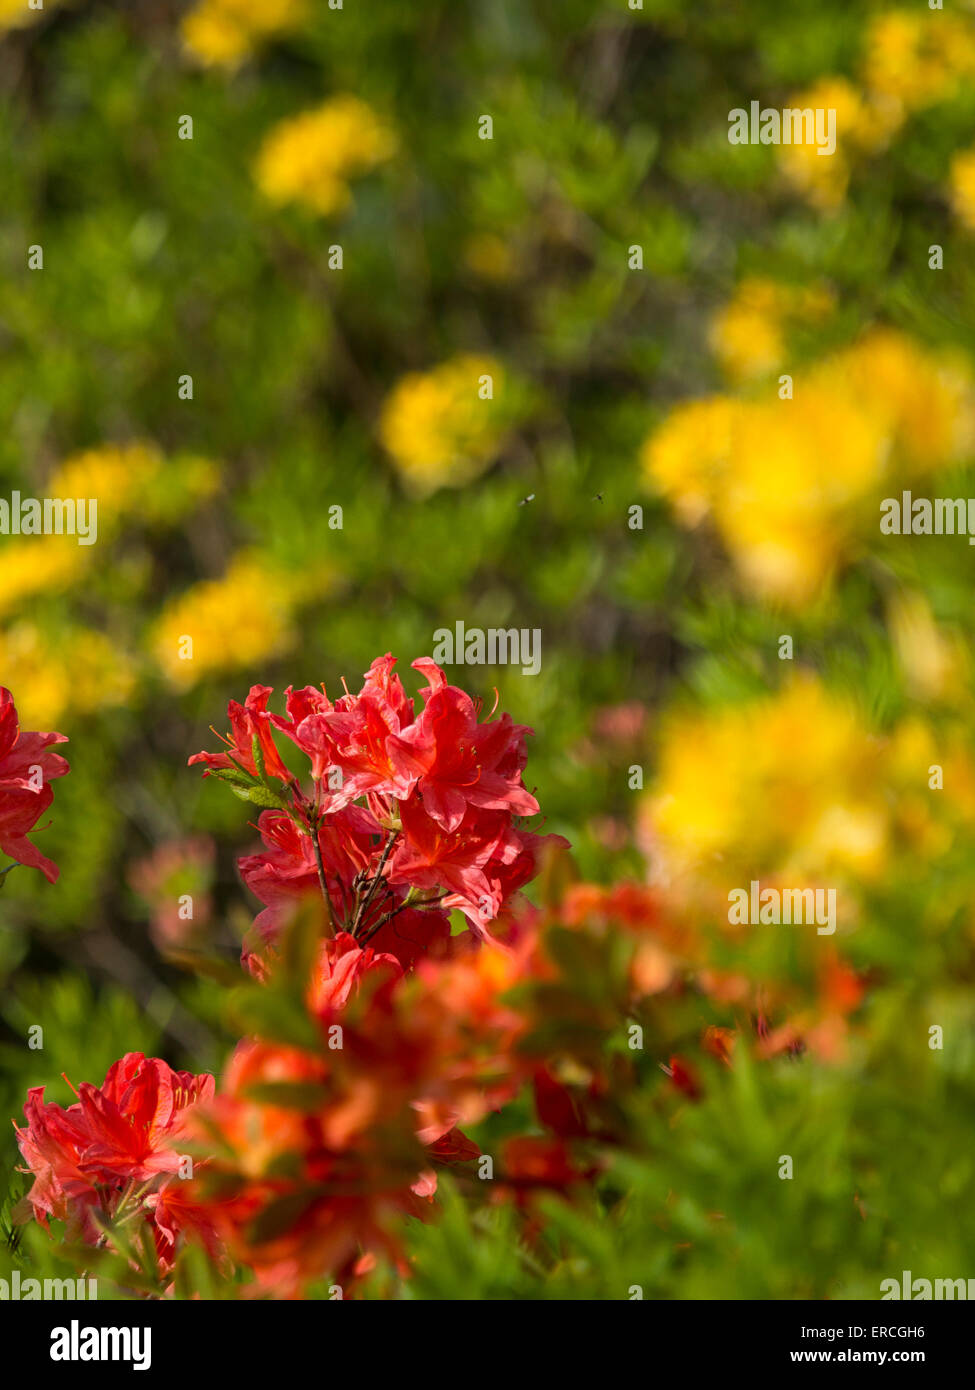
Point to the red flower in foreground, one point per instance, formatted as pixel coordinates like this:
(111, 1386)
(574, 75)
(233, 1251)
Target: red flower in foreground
(27, 769)
(298, 1192)
(305, 726)
(407, 817)
(365, 731)
(339, 969)
(118, 1147)
(463, 763)
(320, 1151)
(248, 722)
(430, 857)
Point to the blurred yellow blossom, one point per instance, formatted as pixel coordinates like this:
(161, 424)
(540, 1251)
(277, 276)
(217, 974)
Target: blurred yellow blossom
(748, 334)
(793, 785)
(926, 399)
(47, 564)
(440, 427)
(14, 13)
(224, 624)
(224, 32)
(687, 458)
(792, 484)
(310, 158)
(78, 672)
(797, 472)
(135, 480)
(115, 475)
(935, 663)
(733, 797)
(918, 59)
(117, 478)
(912, 59)
(864, 124)
(962, 180)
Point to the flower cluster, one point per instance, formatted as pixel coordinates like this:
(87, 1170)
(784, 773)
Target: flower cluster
(225, 32)
(748, 335)
(401, 1033)
(377, 1039)
(729, 798)
(311, 158)
(27, 768)
(410, 814)
(246, 613)
(908, 65)
(321, 1149)
(117, 1153)
(790, 504)
(439, 428)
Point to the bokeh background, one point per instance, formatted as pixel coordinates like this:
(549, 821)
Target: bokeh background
(337, 259)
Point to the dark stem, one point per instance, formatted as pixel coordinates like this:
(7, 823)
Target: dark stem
(321, 877)
(374, 885)
(394, 912)
(386, 917)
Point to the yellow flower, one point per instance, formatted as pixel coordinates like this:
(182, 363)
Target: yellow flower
(917, 59)
(311, 157)
(117, 476)
(791, 485)
(224, 32)
(440, 428)
(912, 60)
(789, 786)
(45, 564)
(15, 13)
(687, 458)
(787, 783)
(925, 398)
(794, 786)
(864, 124)
(797, 470)
(81, 672)
(747, 335)
(224, 624)
(962, 180)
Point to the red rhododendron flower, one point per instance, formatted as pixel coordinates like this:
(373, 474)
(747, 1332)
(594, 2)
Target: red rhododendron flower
(406, 819)
(321, 1151)
(463, 763)
(248, 722)
(365, 733)
(429, 857)
(130, 1133)
(403, 819)
(287, 871)
(136, 1118)
(27, 769)
(298, 1192)
(339, 969)
(306, 727)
